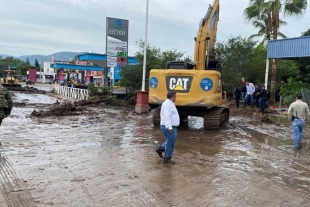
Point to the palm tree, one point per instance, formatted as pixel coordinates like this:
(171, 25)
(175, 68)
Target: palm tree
(265, 30)
(307, 33)
(258, 9)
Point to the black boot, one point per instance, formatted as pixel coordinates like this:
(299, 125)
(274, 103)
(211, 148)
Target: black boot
(160, 152)
(168, 161)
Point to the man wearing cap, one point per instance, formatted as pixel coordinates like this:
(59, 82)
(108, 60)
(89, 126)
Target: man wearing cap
(298, 113)
(169, 121)
(6, 103)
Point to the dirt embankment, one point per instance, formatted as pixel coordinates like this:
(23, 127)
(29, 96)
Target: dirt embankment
(26, 89)
(67, 108)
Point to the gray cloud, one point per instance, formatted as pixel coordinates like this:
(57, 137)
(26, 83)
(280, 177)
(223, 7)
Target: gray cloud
(79, 25)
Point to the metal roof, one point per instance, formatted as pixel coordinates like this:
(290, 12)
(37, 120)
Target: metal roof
(290, 48)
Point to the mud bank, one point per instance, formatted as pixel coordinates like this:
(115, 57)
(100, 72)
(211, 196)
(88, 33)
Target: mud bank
(27, 90)
(69, 108)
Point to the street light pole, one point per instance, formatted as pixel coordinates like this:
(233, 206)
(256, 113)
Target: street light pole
(142, 104)
(145, 46)
(41, 70)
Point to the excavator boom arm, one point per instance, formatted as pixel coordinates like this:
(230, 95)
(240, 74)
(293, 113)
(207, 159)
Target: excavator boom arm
(206, 37)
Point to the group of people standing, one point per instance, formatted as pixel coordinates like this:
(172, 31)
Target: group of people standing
(251, 95)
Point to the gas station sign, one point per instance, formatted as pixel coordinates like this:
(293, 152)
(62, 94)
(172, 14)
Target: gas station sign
(117, 42)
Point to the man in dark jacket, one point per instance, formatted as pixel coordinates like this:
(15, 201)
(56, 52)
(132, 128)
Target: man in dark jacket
(243, 89)
(257, 95)
(6, 103)
(237, 95)
(263, 94)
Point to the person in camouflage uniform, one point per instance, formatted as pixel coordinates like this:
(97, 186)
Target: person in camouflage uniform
(6, 103)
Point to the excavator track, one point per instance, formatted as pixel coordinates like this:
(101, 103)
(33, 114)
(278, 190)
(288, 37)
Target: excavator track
(213, 118)
(156, 117)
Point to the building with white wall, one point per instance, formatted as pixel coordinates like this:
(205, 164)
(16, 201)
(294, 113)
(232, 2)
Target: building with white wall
(47, 67)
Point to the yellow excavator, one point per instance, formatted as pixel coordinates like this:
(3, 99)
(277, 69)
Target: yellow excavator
(198, 85)
(9, 79)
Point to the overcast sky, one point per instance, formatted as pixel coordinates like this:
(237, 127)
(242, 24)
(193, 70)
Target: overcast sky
(48, 26)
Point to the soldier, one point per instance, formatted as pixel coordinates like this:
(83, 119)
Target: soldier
(6, 103)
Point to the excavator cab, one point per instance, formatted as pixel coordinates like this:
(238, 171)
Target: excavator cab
(213, 64)
(179, 65)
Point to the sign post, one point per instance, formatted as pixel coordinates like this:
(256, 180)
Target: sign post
(116, 44)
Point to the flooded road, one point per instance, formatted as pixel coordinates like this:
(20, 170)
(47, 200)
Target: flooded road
(109, 159)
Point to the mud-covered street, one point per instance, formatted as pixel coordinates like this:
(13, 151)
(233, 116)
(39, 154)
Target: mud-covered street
(106, 156)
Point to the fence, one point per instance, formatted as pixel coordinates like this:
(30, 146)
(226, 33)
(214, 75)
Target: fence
(73, 93)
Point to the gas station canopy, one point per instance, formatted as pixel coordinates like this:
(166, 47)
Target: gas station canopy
(76, 67)
(100, 59)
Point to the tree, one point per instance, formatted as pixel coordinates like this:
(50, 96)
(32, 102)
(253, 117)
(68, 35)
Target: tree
(21, 65)
(264, 29)
(236, 55)
(37, 65)
(304, 66)
(155, 59)
(307, 33)
(27, 61)
(258, 9)
(244, 58)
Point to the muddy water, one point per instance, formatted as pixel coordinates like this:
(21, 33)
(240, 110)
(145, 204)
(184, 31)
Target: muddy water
(109, 160)
(33, 98)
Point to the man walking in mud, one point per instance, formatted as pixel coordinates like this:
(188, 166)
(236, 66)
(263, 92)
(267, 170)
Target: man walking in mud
(237, 95)
(169, 121)
(298, 113)
(250, 89)
(243, 89)
(6, 103)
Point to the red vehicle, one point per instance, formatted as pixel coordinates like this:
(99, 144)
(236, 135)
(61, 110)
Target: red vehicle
(32, 75)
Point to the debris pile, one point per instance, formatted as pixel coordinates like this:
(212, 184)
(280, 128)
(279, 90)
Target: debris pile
(67, 108)
(26, 89)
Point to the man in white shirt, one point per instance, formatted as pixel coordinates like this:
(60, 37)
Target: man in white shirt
(169, 121)
(298, 113)
(250, 89)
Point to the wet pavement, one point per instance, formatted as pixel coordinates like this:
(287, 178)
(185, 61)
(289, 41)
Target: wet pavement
(108, 159)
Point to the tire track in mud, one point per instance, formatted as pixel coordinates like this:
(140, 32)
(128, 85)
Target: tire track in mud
(129, 192)
(13, 189)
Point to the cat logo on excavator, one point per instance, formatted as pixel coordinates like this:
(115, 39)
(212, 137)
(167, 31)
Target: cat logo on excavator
(181, 84)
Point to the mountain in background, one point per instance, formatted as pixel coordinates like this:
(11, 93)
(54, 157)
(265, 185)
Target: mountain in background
(4, 56)
(46, 58)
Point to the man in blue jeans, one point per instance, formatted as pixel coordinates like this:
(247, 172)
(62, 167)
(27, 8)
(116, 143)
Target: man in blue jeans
(169, 121)
(298, 113)
(250, 89)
